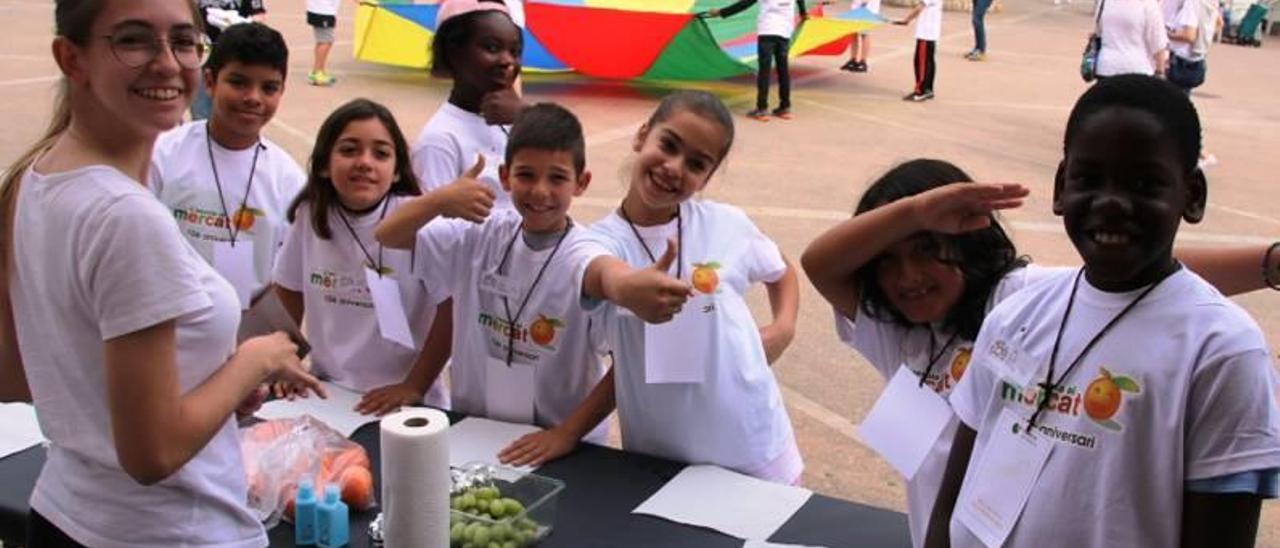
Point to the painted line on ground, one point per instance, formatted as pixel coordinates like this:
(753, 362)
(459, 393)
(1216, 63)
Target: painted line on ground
(818, 412)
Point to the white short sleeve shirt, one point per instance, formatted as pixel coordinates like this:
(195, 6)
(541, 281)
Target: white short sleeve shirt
(449, 145)
(736, 418)
(553, 333)
(182, 177)
(96, 258)
(342, 325)
(1195, 400)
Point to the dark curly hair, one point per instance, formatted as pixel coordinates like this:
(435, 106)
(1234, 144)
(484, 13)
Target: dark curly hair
(983, 256)
(1149, 94)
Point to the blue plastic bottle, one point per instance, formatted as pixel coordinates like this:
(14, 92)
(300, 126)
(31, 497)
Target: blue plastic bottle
(331, 520)
(304, 514)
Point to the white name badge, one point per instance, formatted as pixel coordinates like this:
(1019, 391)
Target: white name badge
(235, 263)
(992, 499)
(677, 351)
(498, 284)
(508, 394)
(905, 422)
(389, 309)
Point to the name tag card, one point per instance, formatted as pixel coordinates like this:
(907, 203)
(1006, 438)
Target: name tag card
(392, 322)
(508, 394)
(996, 493)
(235, 263)
(677, 351)
(905, 422)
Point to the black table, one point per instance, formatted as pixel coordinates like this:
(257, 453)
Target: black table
(602, 486)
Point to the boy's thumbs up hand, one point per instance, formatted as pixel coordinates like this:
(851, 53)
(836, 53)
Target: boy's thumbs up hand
(651, 293)
(466, 197)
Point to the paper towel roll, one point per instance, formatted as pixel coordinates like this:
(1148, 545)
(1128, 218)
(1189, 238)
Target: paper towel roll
(415, 479)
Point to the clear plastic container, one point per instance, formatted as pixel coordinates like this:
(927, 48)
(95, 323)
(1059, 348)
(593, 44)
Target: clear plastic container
(482, 512)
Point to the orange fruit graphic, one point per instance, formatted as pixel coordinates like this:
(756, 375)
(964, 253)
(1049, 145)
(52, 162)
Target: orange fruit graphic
(543, 331)
(244, 218)
(960, 363)
(1103, 396)
(705, 278)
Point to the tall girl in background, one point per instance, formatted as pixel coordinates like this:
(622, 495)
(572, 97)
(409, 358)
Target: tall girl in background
(731, 412)
(126, 337)
(478, 47)
(359, 171)
(914, 273)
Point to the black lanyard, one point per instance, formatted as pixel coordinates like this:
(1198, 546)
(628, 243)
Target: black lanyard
(933, 358)
(231, 223)
(649, 252)
(377, 266)
(506, 305)
(1049, 385)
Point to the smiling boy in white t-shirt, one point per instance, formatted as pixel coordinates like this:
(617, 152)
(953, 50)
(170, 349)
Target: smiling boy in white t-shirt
(226, 184)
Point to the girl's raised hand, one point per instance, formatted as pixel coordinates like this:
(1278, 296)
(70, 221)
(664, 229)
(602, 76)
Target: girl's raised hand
(964, 207)
(501, 107)
(466, 197)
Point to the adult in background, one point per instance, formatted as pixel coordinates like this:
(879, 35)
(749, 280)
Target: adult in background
(125, 336)
(1134, 40)
(1190, 28)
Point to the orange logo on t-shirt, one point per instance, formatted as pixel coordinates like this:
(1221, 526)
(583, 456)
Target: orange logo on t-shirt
(705, 279)
(1103, 397)
(543, 330)
(959, 363)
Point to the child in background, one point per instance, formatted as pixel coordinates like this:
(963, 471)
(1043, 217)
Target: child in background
(227, 185)
(928, 32)
(860, 47)
(322, 17)
(359, 174)
(528, 352)
(731, 413)
(478, 47)
(1130, 389)
(775, 23)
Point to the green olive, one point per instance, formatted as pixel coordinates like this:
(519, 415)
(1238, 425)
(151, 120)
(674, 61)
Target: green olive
(482, 536)
(513, 506)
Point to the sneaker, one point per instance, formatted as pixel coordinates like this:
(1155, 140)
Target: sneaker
(976, 55)
(851, 66)
(784, 113)
(1206, 161)
(860, 67)
(321, 78)
(918, 97)
(758, 115)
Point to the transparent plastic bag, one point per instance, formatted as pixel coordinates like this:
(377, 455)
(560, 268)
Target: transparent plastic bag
(278, 453)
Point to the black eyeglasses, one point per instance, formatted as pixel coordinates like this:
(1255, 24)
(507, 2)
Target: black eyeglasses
(137, 48)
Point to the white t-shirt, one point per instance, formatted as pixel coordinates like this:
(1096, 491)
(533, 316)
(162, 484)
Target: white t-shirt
(736, 418)
(1200, 14)
(96, 258)
(929, 22)
(1132, 33)
(888, 346)
(323, 7)
(776, 18)
(342, 326)
(563, 342)
(872, 5)
(448, 147)
(182, 177)
(1199, 404)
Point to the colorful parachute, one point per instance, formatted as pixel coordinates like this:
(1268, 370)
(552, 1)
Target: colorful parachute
(615, 39)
